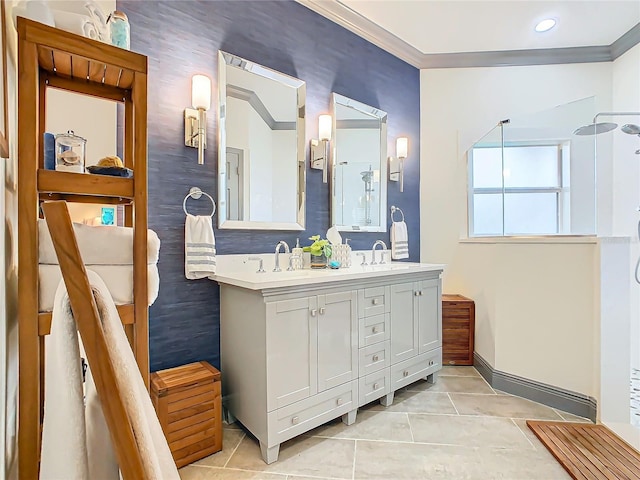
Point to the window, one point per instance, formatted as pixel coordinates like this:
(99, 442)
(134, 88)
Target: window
(526, 193)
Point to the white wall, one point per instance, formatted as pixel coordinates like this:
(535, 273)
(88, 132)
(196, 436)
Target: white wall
(535, 316)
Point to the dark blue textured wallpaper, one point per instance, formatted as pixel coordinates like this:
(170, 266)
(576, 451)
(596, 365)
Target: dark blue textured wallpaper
(182, 38)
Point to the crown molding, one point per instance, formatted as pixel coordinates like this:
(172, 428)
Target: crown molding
(344, 16)
(625, 42)
(363, 27)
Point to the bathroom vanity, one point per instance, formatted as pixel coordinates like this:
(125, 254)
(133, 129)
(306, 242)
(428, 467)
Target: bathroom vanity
(301, 348)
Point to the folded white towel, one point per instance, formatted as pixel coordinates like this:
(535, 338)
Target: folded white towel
(75, 23)
(100, 245)
(199, 248)
(399, 241)
(119, 280)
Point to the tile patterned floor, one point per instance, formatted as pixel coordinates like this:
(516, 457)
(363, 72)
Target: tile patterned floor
(458, 429)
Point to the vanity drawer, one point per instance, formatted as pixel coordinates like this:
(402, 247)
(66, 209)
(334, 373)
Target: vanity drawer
(374, 329)
(302, 416)
(374, 386)
(373, 301)
(374, 357)
(415, 368)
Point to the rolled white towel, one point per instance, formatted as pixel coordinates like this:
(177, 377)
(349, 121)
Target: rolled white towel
(75, 23)
(101, 245)
(88, 8)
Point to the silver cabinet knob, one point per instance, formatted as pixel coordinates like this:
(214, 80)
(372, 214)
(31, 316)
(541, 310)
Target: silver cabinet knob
(339, 401)
(405, 373)
(376, 386)
(416, 293)
(375, 301)
(314, 312)
(430, 362)
(421, 292)
(322, 311)
(295, 420)
(374, 330)
(375, 358)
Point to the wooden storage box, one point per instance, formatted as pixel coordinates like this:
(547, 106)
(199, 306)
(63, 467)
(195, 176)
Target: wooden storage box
(458, 330)
(189, 405)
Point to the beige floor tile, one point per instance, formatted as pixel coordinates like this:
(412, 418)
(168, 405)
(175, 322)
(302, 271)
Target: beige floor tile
(460, 371)
(231, 437)
(521, 465)
(467, 431)
(406, 461)
(502, 406)
(418, 402)
(370, 425)
(213, 473)
(303, 455)
(453, 384)
(411, 461)
(569, 417)
(527, 432)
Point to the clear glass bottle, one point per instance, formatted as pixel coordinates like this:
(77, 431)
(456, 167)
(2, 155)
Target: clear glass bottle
(120, 30)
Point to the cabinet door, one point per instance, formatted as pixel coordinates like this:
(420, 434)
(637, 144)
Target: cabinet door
(337, 339)
(292, 351)
(404, 322)
(430, 314)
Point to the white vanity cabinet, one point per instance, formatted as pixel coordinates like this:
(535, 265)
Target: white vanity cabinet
(416, 332)
(295, 356)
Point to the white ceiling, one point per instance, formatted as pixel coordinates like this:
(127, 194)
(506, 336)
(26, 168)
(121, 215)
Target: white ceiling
(454, 26)
(485, 33)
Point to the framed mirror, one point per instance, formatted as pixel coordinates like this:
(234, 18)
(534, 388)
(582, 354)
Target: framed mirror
(358, 166)
(261, 147)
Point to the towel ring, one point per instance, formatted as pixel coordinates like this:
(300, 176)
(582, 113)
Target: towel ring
(395, 209)
(196, 193)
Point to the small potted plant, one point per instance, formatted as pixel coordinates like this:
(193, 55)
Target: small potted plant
(320, 251)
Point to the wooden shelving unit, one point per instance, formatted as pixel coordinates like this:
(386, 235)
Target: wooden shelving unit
(52, 58)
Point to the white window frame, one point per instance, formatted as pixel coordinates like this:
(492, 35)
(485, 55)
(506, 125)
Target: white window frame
(562, 217)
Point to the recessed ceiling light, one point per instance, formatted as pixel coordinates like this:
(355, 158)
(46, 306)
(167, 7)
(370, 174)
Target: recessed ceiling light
(545, 25)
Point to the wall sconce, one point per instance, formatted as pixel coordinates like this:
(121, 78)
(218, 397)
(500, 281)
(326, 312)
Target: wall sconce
(195, 119)
(396, 165)
(320, 147)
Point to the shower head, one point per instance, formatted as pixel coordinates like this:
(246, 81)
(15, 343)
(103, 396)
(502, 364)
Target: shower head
(631, 129)
(595, 128)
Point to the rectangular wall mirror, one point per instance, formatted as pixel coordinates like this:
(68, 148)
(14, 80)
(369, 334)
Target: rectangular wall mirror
(358, 166)
(261, 147)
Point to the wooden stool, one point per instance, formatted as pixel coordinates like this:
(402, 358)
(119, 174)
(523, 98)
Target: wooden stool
(458, 330)
(189, 405)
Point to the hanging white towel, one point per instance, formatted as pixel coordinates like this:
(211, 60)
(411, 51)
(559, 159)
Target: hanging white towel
(399, 241)
(63, 403)
(199, 248)
(87, 453)
(154, 450)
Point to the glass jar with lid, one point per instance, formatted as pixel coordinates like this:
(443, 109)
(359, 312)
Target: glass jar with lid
(70, 152)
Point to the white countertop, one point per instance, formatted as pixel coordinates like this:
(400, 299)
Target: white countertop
(260, 281)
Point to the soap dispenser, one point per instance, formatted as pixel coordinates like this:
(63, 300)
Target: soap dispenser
(297, 251)
(347, 253)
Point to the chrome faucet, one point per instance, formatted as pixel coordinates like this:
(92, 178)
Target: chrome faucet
(364, 258)
(373, 252)
(281, 243)
(260, 268)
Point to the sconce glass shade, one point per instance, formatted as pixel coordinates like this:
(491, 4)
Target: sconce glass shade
(324, 127)
(402, 147)
(201, 92)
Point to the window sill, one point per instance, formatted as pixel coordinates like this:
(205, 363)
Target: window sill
(548, 239)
